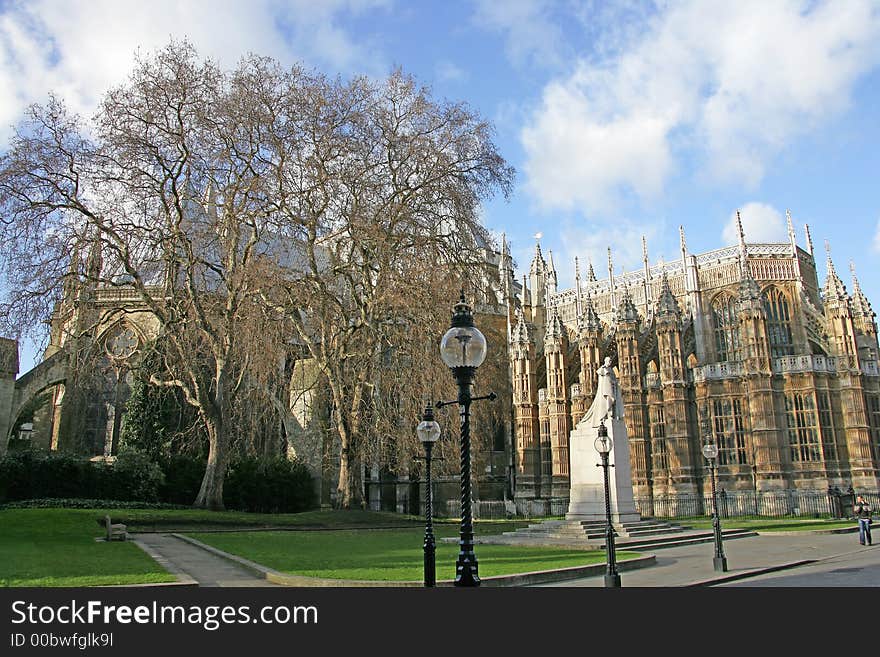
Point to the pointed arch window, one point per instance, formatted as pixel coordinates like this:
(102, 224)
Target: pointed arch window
(778, 323)
(726, 322)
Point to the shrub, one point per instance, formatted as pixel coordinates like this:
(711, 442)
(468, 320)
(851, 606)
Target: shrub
(78, 503)
(183, 478)
(268, 485)
(134, 476)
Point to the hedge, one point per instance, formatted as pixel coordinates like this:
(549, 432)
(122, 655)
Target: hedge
(266, 485)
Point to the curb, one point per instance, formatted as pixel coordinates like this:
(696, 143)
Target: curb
(518, 579)
(749, 573)
(770, 569)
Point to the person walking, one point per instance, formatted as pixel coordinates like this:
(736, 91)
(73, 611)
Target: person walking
(862, 509)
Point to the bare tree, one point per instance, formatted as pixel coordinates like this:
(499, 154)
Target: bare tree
(386, 183)
(169, 180)
(256, 212)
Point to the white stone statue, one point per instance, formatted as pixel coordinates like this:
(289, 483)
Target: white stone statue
(608, 403)
(587, 488)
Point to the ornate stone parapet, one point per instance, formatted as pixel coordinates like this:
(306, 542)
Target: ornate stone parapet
(813, 363)
(713, 371)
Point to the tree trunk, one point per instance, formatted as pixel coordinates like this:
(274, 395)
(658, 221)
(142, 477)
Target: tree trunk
(211, 493)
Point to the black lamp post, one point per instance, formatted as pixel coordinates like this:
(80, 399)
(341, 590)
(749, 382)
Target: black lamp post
(710, 451)
(603, 446)
(463, 349)
(428, 432)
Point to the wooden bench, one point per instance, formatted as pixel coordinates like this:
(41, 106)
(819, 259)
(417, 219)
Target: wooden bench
(115, 531)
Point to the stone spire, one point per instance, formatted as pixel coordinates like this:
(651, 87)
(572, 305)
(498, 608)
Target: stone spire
(627, 311)
(749, 292)
(809, 239)
(521, 330)
(835, 290)
(577, 286)
(589, 318)
(539, 265)
(860, 304)
(555, 328)
(611, 278)
(591, 274)
(551, 275)
(95, 261)
(683, 245)
(792, 239)
(647, 281)
(743, 251)
(667, 306)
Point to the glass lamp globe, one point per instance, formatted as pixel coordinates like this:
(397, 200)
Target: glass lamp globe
(463, 346)
(428, 431)
(710, 451)
(602, 443)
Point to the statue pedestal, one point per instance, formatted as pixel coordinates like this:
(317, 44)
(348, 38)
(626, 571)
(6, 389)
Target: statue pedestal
(587, 496)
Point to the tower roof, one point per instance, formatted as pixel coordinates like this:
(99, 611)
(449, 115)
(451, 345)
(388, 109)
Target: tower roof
(834, 290)
(539, 265)
(520, 333)
(860, 304)
(626, 311)
(667, 306)
(555, 327)
(590, 318)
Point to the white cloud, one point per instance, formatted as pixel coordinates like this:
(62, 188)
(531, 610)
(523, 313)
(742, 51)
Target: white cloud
(590, 244)
(79, 48)
(760, 222)
(447, 71)
(532, 36)
(717, 87)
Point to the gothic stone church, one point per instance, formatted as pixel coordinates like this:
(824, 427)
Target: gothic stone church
(740, 343)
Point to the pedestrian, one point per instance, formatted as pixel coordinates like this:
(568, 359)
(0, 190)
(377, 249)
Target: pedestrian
(863, 512)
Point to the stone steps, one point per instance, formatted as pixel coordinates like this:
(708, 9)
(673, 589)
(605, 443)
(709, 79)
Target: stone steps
(647, 534)
(637, 544)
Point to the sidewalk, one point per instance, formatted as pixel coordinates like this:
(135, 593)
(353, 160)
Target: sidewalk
(692, 565)
(205, 568)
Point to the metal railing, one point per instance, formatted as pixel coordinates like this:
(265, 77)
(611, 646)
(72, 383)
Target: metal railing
(833, 503)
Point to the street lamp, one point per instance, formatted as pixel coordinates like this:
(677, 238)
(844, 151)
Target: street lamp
(710, 451)
(603, 446)
(428, 432)
(463, 349)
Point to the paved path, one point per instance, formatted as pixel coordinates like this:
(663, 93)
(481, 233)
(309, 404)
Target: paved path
(205, 568)
(692, 564)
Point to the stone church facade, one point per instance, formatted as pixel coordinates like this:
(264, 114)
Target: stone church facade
(740, 343)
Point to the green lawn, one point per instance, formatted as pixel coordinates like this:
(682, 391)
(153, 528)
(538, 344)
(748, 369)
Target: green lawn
(57, 547)
(172, 519)
(768, 524)
(389, 555)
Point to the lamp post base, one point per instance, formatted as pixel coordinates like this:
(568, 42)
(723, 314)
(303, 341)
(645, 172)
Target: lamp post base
(720, 564)
(466, 575)
(612, 581)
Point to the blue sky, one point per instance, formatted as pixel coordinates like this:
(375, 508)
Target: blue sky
(622, 119)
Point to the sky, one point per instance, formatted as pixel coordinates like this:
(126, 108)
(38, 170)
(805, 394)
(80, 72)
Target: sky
(622, 119)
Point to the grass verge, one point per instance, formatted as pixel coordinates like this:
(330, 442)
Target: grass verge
(768, 524)
(57, 547)
(392, 555)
